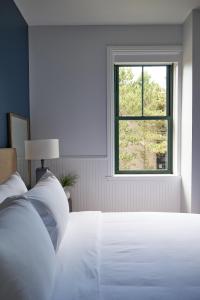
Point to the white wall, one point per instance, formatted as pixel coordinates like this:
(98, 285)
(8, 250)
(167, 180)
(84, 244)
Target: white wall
(68, 101)
(68, 80)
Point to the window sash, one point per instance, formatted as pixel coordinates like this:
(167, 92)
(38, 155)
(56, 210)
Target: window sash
(168, 117)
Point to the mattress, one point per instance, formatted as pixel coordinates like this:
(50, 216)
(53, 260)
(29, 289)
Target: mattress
(123, 256)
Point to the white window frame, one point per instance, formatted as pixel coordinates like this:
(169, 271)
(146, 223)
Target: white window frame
(144, 55)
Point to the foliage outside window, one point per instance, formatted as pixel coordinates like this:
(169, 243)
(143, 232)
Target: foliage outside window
(143, 119)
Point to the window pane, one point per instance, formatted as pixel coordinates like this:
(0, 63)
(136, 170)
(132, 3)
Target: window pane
(143, 145)
(130, 91)
(155, 90)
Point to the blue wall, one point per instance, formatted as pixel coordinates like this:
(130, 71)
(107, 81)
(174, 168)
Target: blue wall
(14, 66)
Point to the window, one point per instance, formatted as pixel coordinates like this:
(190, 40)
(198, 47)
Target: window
(143, 120)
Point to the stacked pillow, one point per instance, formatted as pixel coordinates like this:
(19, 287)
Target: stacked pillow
(12, 187)
(32, 226)
(27, 256)
(50, 201)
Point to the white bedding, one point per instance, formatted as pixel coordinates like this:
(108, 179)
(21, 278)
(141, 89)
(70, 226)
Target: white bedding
(78, 258)
(122, 256)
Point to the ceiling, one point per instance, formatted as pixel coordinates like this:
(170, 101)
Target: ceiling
(105, 12)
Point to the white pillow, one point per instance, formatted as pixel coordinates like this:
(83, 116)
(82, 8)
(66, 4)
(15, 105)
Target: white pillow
(27, 256)
(13, 186)
(49, 199)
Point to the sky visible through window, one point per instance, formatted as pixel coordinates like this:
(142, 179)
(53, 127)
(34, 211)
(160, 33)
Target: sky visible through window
(158, 73)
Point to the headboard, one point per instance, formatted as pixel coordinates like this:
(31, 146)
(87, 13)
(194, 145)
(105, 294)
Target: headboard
(8, 163)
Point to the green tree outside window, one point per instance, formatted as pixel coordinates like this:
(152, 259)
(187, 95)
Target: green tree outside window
(143, 119)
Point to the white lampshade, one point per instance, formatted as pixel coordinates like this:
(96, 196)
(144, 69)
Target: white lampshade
(41, 149)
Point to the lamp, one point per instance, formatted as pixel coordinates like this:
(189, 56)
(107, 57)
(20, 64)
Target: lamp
(41, 150)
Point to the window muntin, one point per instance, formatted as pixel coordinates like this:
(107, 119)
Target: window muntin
(143, 119)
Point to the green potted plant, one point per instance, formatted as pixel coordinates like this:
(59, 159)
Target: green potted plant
(67, 181)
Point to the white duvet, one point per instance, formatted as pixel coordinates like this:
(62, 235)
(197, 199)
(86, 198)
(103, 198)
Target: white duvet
(136, 256)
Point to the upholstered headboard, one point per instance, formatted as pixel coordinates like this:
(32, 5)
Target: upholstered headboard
(8, 162)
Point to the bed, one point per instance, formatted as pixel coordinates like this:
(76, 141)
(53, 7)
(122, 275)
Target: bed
(129, 256)
(133, 255)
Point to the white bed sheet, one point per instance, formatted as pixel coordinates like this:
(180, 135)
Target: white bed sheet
(136, 256)
(78, 259)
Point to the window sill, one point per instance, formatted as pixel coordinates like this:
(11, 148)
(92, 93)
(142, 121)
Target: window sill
(143, 177)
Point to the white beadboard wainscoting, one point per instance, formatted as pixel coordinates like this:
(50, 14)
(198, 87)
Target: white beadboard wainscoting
(95, 191)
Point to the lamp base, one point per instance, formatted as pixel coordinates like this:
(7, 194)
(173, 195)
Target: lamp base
(40, 172)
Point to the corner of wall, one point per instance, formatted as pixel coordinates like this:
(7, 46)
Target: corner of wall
(195, 206)
(186, 140)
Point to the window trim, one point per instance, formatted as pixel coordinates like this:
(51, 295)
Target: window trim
(131, 55)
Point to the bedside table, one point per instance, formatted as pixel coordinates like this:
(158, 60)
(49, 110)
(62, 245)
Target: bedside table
(67, 192)
(70, 204)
